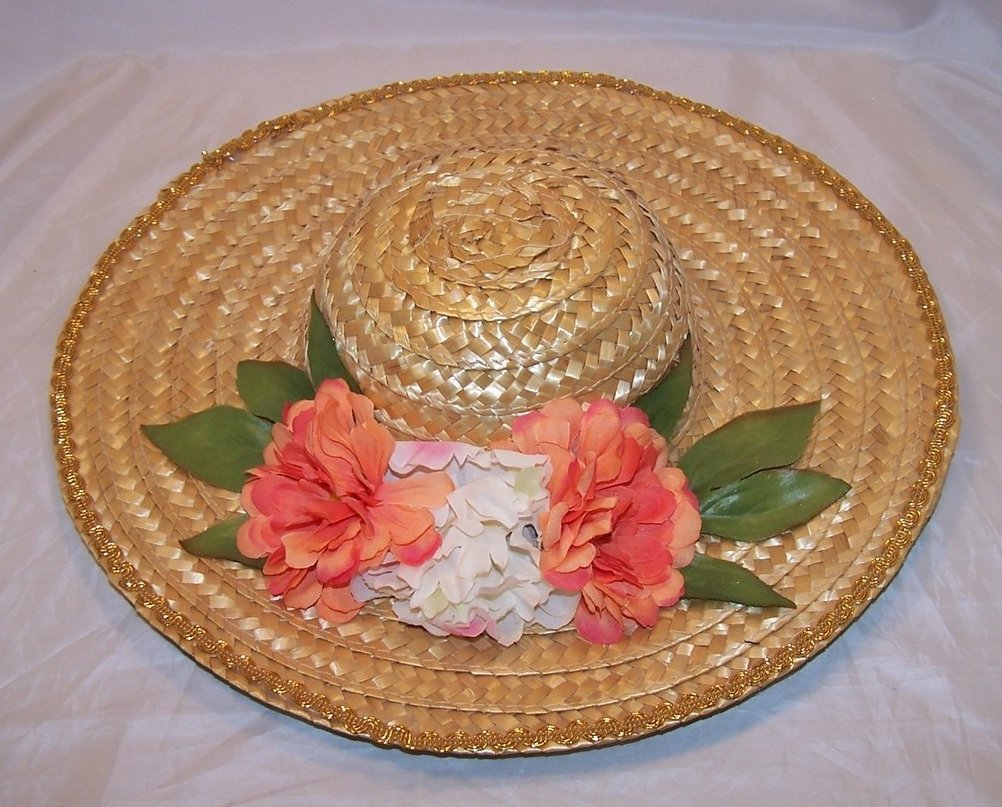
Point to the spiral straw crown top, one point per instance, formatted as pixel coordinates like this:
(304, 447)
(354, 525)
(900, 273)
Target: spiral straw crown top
(479, 282)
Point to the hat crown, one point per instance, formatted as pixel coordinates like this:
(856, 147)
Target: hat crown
(476, 283)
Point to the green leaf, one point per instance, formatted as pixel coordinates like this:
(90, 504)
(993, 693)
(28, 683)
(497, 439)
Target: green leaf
(220, 541)
(321, 351)
(218, 445)
(709, 578)
(767, 438)
(665, 402)
(267, 386)
(768, 503)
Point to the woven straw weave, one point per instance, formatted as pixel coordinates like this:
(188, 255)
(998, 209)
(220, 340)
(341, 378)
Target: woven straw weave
(597, 218)
(489, 275)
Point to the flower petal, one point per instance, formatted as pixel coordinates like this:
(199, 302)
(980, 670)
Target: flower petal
(597, 627)
(420, 490)
(303, 548)
(335, 567)
(304, 593)
(418, 550)
(337, 605)
(430, 455)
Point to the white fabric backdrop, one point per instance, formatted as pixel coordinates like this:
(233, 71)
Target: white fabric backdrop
(102, 103)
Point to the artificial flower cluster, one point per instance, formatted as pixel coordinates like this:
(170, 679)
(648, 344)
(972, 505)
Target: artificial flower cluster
(579, 516)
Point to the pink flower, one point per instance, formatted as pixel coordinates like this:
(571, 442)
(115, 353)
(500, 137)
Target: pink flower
(321, 509)
(621, 522)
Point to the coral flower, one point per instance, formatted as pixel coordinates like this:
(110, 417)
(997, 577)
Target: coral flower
(322, 510)
(621, 521)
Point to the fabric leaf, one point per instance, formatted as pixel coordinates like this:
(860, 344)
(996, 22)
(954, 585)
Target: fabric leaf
(218, 445)
(267, 386)
(220, 541)
(664, 403)
(767, 438)
(321, 351)
(768, 503)
(709, 578)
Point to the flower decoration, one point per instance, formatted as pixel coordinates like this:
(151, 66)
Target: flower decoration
(485, 575)
(321, 508)
(621, 521)
(578, 516)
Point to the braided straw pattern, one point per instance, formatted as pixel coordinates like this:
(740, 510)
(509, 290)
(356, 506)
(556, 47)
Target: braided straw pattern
(487, 275)
(796, 288)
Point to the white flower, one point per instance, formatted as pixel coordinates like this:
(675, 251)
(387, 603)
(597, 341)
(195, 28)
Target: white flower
(485, 577)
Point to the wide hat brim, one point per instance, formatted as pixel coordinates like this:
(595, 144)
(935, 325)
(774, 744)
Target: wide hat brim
(797, 287)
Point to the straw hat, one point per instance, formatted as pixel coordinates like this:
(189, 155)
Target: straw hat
(482, 244)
